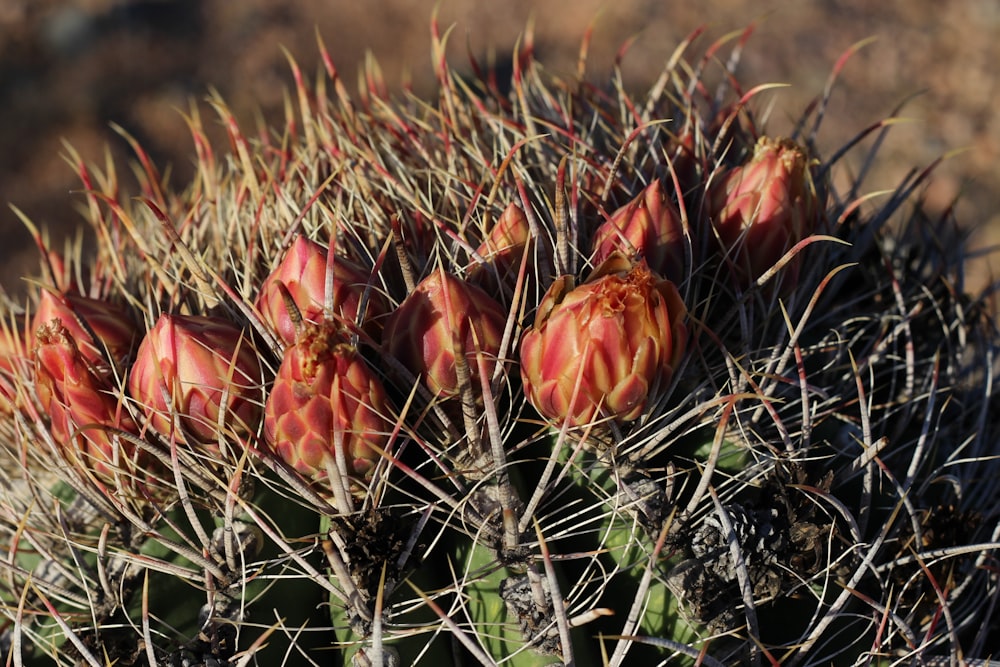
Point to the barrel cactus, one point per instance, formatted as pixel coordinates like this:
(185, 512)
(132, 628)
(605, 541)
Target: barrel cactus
(543, 374)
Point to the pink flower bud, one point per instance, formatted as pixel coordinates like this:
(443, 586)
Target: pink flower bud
(303, 272)
(603, 348)
(649, 227)
(763, 208)
(442, 320)
(186, 366)
(325, 396)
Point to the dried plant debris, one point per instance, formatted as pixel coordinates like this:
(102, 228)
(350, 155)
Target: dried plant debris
(775, 543)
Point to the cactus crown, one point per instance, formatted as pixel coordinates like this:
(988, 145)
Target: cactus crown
(778, 445)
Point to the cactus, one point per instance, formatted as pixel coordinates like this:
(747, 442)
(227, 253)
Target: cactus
(760, 429)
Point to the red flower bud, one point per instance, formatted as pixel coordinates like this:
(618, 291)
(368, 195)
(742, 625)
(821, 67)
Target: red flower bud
(503, 251)
(601, 349)
(303, 272)
(103, 331)
(649, 227)
(13, 363)
(442, 320)
(325, 396)
(763, 208)
(74, 397)
(186, 365)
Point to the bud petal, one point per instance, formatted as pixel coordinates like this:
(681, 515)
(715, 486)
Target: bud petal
(443, 319)
(185, 365)
(649, 227)
(601, 349)
(303, 272)
(324, 395)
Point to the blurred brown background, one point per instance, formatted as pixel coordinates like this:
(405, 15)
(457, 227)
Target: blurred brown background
(68, 69)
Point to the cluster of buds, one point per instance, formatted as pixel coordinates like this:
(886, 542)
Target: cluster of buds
(598, 350)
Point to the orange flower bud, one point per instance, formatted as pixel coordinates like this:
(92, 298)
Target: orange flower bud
(186, 365)
(325, 396)
(601, 349)
(649, 227)
(303, 272)
(434, 326)
(763, 208)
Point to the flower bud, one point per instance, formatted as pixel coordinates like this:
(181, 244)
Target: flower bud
(303, 272)
(442, 320)
(649, 227)
(325, 396)
(186, 366)
(104, 332)
(603, 348)
(503, 251)
(75, 397)
(763, 208)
